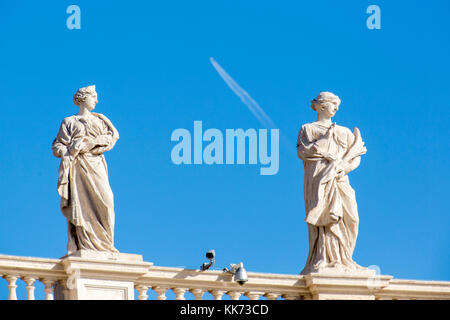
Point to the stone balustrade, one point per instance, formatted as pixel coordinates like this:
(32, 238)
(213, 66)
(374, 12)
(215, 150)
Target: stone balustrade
(220, 284)
(30, 270)
(86, 277)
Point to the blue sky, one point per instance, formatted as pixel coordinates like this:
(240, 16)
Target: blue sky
(151, 65)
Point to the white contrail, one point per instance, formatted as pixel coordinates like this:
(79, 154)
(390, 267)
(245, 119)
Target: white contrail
(251, 104)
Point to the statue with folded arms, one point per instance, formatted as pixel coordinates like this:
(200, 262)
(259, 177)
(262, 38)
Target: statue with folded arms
(86, 197)
(329, 152)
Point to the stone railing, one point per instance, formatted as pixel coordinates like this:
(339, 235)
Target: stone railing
(118, 276)
(30, 270)
(218, 284)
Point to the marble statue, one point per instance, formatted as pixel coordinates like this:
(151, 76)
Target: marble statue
(86, 197)
(329, 152)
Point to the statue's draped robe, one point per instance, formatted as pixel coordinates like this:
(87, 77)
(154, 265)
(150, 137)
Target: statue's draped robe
(86, 197)
(330, 204)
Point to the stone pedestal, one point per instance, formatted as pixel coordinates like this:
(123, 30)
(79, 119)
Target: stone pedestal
(337, 285)
(100, 275)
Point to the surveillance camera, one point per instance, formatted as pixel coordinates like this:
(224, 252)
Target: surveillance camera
(241, 275)
(239, 272)
(210, 255)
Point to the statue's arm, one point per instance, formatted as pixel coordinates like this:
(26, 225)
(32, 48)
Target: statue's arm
(61, 143)
(347, 166)
(107, 139)
(307, 147)
(352, 164)
(66, 145)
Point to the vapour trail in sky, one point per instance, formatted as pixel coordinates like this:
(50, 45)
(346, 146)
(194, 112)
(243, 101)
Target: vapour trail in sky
(251, 104)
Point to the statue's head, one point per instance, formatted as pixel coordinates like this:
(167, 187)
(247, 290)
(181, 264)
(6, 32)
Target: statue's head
(86, 97)
(327, 103)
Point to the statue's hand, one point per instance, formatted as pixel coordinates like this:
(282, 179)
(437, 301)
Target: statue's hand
(341, 169)
(75, 147)
(90, 144)
(101, 141)
(101, 144)
(334, 218)
(87, 144)
(340, 174)
(81, 146)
